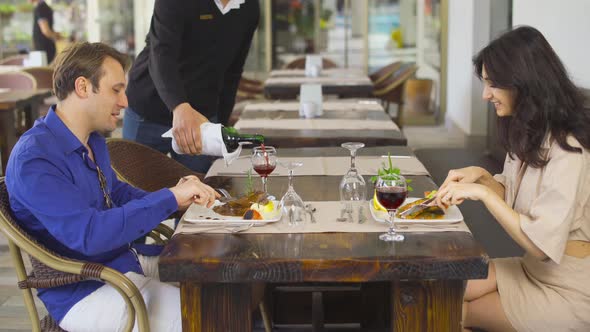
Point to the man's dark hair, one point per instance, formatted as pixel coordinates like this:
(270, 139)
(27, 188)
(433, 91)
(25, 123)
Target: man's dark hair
(83, 59)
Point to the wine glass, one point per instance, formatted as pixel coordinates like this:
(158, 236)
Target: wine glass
(291, 204)
(264, 161)
(392, 191)
(353, 188)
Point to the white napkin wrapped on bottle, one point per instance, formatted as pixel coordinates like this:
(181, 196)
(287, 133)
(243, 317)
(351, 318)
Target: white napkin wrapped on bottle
(211, 143)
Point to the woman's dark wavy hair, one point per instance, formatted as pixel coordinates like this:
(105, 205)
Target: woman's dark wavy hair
(546, 100)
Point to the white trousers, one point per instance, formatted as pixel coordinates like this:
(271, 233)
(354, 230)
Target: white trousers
(105, 310)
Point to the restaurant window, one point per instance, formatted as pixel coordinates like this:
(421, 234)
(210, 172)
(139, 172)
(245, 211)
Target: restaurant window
(115, 23)
(16, 24)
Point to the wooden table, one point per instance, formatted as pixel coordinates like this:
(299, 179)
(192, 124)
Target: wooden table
(370, 115)
(352, 109)
(293, 138)
(10, 101)
(331, 72)
(288, 87)
(426, 272)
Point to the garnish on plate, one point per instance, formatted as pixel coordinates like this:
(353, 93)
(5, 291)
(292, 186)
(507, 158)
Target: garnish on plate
(388, 172)
(253, 206)
(249, 185)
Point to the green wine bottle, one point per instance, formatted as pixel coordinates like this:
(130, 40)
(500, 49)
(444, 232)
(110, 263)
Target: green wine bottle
(231, 138)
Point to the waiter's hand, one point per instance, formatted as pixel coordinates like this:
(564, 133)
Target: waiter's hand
(186, 128)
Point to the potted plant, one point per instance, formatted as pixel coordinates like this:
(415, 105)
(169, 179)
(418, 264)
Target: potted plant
(6, 11)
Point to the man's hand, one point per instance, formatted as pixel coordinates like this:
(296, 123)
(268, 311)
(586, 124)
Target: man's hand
(186, 128)
(191, 190)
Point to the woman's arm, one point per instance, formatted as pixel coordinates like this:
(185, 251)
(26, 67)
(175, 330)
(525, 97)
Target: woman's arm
(488, 180)
(455, 193)
(510, 221)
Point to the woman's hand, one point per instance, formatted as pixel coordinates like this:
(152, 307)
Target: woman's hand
(465, 175)
(455, 193)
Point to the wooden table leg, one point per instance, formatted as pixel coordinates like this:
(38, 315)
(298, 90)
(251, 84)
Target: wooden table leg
(215, 307)
(8, 137)
(427, 306)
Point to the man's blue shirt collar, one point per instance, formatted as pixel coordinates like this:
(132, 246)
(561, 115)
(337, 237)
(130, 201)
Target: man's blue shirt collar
(68, 142)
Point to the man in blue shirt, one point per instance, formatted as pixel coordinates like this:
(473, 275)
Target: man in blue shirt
(65, 194)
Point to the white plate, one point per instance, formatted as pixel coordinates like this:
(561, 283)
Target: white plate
(452, 216)
(204, 216)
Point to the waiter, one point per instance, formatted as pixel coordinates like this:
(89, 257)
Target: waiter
(188, 73)
(43, 35)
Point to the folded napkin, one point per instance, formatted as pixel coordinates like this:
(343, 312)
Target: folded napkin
(211, 141)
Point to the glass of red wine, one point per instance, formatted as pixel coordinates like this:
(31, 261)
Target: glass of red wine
(392, 191)
(264, 161)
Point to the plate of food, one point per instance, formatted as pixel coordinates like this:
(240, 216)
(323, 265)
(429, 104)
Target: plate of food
(254, 208)
(430, 215)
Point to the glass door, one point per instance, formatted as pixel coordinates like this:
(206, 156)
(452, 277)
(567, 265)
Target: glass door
(325, 27)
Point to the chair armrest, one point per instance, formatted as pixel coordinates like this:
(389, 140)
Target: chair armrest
(117, 280)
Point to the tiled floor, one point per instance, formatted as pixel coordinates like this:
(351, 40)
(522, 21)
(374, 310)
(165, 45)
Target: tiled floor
(13, 314)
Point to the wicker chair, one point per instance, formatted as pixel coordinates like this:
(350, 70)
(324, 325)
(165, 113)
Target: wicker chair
(383, 73)
(299, 63)
(392, 89)
(144, 167)
(51, 270)
(44, 78)
(150, 170)
(15, 60)
(18, 80)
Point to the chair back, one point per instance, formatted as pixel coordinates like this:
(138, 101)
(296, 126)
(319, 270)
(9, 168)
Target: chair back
(144, 167)
(391, 90)
(384, 72)
(299, 63)
(396, 79)
(15, 60)
(43, 76)
(17, 80)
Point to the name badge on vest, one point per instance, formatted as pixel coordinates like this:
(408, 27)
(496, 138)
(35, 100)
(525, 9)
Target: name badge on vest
(206, 17)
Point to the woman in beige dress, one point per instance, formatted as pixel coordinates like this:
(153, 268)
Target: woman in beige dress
(541, 199)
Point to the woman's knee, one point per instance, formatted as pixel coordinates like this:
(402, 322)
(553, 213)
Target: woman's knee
(486, 313)
(479, 287)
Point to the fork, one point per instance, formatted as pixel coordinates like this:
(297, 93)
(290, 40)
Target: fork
(418, 207)
(310, 209)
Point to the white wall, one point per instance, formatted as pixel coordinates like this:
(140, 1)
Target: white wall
(142, 15)
(92, 26)
(469, 30)
(566, 26)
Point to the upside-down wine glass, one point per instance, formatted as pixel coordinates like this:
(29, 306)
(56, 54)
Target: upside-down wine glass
(353, 188)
